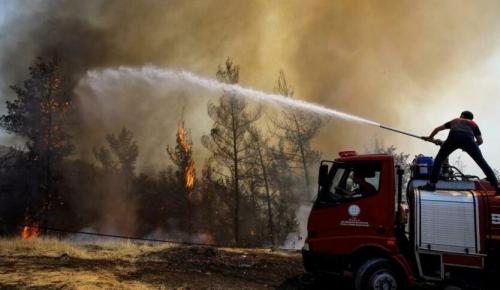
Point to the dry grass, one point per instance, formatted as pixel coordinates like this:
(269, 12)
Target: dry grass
(40, 262)
(49, 263)
(53, 247)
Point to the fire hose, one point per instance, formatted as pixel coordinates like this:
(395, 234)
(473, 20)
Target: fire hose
(435, 141)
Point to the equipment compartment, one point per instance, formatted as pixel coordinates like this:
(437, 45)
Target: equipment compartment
(447, 221)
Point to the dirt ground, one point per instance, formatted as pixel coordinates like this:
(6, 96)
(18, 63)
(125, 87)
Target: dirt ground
(55, 264)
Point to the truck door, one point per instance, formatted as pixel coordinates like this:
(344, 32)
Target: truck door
(353, 209)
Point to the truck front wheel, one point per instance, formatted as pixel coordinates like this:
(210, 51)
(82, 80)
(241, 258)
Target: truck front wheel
(377, 274)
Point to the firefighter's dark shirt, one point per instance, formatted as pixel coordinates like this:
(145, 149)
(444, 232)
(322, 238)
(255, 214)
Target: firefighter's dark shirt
(463, 126)
(365, 188)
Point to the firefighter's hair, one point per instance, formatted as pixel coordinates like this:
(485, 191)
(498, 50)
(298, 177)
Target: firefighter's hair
(467, 115)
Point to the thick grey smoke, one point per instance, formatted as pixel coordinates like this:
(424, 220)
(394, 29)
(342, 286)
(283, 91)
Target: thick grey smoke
(95, 34)
(379, 60)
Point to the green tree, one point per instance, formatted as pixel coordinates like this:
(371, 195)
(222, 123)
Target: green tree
(297, 128)
(121, 155)
(118, 199)
(40, 114)
(286, 192)
(262, 162)
(125, 149)
(228, 138)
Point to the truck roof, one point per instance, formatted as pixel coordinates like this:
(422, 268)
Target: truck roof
(366, 157)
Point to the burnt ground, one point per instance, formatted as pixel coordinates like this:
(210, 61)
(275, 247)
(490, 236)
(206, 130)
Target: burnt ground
(53, 264)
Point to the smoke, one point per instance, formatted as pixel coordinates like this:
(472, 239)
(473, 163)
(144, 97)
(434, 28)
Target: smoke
(394, 62)
(390, 60)
(370, 59)
(90, 34)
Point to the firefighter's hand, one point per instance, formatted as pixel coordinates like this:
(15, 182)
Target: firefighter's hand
(437, 142)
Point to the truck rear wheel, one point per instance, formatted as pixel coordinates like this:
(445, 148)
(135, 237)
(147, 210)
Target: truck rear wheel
(377, 274)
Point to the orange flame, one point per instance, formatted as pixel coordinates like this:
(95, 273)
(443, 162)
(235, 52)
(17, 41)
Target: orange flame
(185, 152)
(189, 175)
(181, 134)
(30, 229)
(30, 232)
(186, 147)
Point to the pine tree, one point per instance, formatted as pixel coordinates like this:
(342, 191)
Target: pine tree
(40, 114)
(263, 160)
(121, 155)
(228, 138)
(181, 155)
(297, 128)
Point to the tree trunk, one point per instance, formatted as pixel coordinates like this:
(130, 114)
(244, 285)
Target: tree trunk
(236, 182)
(48, 167)
(190, 218)
(268, 197)
(302, 157)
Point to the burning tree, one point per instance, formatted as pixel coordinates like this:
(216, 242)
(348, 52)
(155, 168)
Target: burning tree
(297, 128)
(40, 114)
(228, 138)
(181, 155)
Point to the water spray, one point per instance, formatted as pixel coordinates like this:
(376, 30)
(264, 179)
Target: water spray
(98, 78)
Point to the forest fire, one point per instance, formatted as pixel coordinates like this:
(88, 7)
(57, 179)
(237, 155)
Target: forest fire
(187, 148)
(189, 175)
(30, 232)
(30, 229)
(182, 156)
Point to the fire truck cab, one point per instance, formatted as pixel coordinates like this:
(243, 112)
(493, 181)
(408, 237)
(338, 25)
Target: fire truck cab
(362, 222)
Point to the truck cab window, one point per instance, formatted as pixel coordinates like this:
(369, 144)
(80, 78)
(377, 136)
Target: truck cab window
(350, 181)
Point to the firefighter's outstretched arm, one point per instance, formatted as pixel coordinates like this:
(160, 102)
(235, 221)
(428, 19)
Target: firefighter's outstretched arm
(479, 140)
(434, 132)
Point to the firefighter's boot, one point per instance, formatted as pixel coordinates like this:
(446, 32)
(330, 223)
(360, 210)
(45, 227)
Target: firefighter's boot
(428, 187)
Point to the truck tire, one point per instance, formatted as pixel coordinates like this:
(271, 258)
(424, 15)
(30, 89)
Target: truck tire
(377, 274)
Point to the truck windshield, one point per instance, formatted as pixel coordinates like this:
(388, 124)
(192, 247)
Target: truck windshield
(352, 180)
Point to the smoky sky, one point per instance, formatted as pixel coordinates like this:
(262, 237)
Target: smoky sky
(379, 59)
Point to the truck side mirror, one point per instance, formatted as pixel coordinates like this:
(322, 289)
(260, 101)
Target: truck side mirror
(323, 175)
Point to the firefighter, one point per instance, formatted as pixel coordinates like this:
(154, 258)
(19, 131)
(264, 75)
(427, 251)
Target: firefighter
(464, 134)
(364, 187)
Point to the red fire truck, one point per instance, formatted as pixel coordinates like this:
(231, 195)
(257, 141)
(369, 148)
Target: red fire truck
(362, 222)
